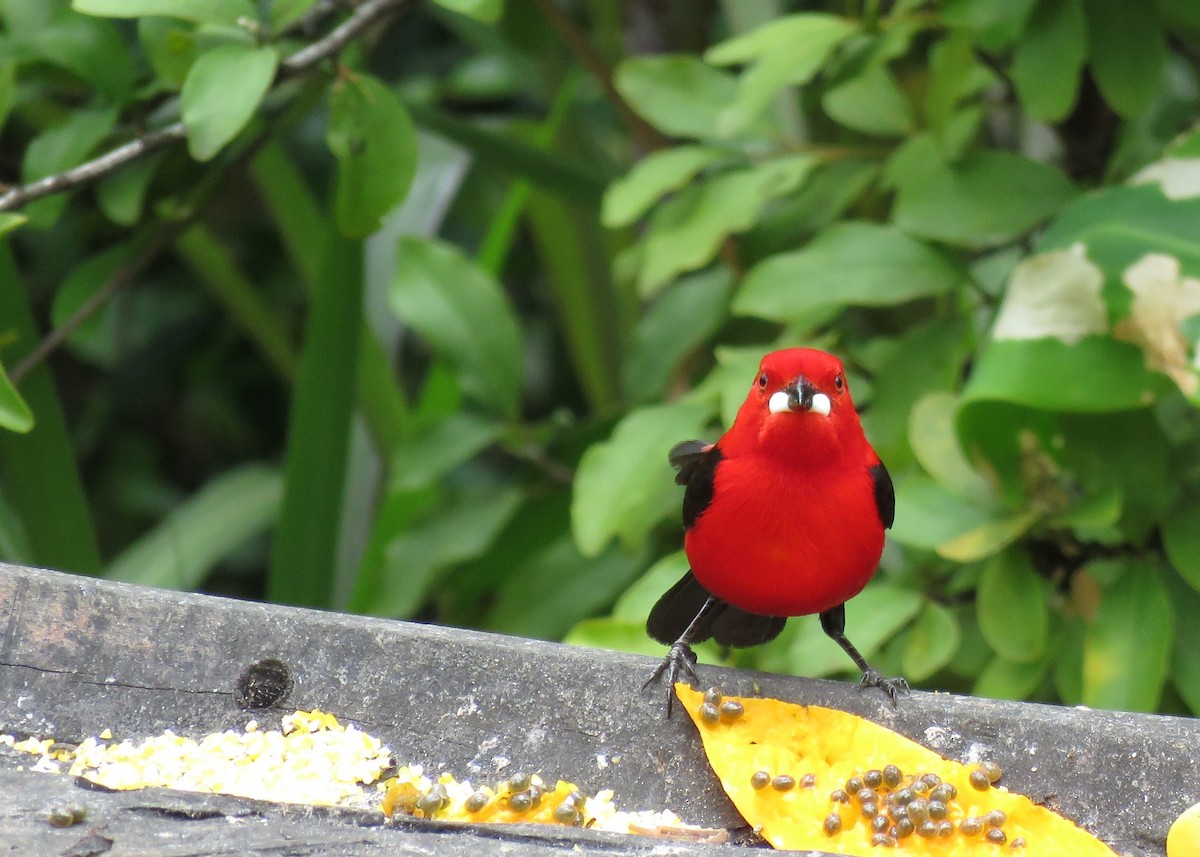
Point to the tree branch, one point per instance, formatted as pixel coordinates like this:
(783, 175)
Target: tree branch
(366, 14)
(646, 134)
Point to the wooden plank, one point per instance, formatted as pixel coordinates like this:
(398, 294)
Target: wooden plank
(79, 655)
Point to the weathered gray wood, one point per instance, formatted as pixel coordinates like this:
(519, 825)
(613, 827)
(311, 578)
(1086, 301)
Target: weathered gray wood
(78, 655)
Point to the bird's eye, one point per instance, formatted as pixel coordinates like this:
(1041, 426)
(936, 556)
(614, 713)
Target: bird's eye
(762, 381)
(840, 383)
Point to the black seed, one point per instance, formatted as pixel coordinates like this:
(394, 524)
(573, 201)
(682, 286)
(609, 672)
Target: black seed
(783, 783)
(997, 836)
(918, 810)
(944, 793)
(882, 840)
(892, 776)
(970, 826)
(709, 713)
(520, 802)
(870, 809)
(1019, 842)
(866, 795)
(898, 812)
(995, 818)
(945, 829)
(60, 816)
(880, 824)
(979, 781)
(992, 771)
(519, 782)
(575, 798)
(937, 810)
(833, 823)
(808, 781)
(760, 780)
(873, 778)
(428, 804)
(713, 696)
(931, 779)
(566, 813)
(854, 784)
(731, 710)
(905, 796)
(904, 827)
(839, 796)
(477, 801)
(919, 786)
(535, 794)
(927, 829)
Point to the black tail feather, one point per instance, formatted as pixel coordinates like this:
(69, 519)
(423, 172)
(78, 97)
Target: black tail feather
(728, 625)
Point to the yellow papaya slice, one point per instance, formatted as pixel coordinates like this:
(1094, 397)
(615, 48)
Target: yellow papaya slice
(1183, 840)
(817, 778)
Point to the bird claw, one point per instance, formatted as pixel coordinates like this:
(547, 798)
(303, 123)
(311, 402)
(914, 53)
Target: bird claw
(680, 660)
(893, 687)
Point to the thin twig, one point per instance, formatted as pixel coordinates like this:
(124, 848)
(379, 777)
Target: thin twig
(365, 15)
(647, 136)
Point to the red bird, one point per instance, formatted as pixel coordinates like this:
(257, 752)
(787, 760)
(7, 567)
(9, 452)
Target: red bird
(784, 516)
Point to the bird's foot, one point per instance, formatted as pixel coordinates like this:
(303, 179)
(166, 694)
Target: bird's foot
(893, 687)
(680, 661)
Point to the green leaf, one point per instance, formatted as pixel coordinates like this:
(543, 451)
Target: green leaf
(989, 539)
(623, 486)
(1128, 50)
(81, 286)
(934, 440)
(1048, 59)
(304, 554)
(783, 52)
(89, 48)
(485, 11)
(223, 90)
(676, 93)
(40, 471)
(122, 194)
(208, 526)
(686, 232)
(683, 317)
(989, 198)
(464, 315)
(1005, 679)
(459, 529)
(557, 587)
(636, 602)
(1095, 374)
(14, 412)
(1011, 606)
(932, 642)
(852, 263)
(1185, 661)
(373, 140)
(59, 148)
(10, 221)
(1181, 539)
(872, 103)
(1128, 643)
(228, 12)
(927, 515)
(440, 447)
(614, 635)
(170, 46)
(653, 177)
(872, 617)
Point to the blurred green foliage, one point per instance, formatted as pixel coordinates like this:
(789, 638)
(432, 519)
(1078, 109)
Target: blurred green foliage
(408, 331)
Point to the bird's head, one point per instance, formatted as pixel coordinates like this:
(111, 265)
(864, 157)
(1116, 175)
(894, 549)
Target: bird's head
(799, 405)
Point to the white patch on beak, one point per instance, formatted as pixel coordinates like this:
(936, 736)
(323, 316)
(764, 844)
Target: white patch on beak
(778, 403)
(820, 404)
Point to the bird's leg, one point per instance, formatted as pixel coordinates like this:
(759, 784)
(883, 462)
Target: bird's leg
(681, 659)
(833, 623)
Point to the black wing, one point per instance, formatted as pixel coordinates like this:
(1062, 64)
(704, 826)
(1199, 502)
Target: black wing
(885, 494)
(728, 625)
(696, 463)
